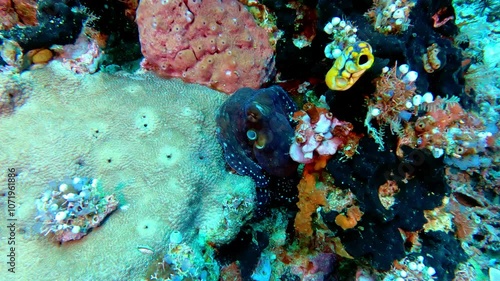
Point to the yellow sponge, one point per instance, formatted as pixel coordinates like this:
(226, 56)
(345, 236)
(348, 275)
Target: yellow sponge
(347, 69)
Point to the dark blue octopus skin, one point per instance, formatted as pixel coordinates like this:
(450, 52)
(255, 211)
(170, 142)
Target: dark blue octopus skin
(266, 112)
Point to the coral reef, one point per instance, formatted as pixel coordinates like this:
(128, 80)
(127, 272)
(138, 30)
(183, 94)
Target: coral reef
(304, 24)
(59, 22)
(245, 250)
(70, 209)
(111, 24)
(440, 125)
(214, 43)
(405, 187)
(264, 18)
(151, 142)
(447, 79)
(478, 36)
(184, 261)
(443, 259)
(475, 217)
(298, 52)
(377, 235)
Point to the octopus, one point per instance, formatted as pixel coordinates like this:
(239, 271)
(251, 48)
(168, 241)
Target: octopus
(254, 130)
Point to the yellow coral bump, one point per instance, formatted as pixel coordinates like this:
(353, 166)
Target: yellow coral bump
(347, 69)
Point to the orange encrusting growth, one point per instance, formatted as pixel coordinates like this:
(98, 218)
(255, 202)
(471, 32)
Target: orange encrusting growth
(351, 219)
(310, 198)
(319, 164)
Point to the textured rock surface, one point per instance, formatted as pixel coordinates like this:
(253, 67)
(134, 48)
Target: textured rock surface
(151, 142)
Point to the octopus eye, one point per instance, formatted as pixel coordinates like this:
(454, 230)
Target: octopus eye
(460, 150)
(261, 141)
(251, 135)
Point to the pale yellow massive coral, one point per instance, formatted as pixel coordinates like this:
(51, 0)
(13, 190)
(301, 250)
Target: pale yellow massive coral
(149, 141)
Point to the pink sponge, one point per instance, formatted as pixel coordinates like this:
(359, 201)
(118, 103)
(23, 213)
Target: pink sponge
(210, 42)
(318, 133)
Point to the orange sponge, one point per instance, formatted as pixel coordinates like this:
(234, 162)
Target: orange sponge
(351, 220)
(309, 199)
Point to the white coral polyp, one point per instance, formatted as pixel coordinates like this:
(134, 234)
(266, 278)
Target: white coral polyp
(298, 155)
(323, 125)
(329, 147)
(311, 144)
